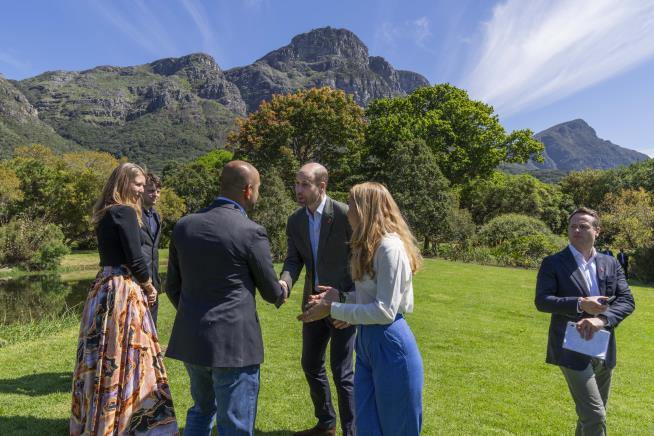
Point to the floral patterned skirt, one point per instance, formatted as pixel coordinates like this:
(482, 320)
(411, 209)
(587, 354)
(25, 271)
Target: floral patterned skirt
(119, 384)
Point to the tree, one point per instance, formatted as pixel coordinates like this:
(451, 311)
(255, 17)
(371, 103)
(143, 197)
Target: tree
(419, 188)
(195, 183)
(465, 136)
(522, 194)
(171, 207)
(589, 187)
(628, 219)
(10, 191)
(321, 124)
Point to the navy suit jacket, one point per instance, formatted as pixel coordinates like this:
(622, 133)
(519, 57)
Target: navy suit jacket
(217, 258)
(559, 285)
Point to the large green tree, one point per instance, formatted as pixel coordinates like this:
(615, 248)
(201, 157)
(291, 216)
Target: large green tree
(465, 136)
(320, 124)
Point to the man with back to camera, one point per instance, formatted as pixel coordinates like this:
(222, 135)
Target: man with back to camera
(318, 236)
(589, 288)
(151, 235)
(217, 258)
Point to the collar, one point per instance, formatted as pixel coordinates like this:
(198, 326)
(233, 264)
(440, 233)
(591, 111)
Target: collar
(320, 207)
(580, 257)
(149, 212)
(229, 200)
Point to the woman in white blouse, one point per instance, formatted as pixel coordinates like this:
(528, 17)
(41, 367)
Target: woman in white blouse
(389, 376)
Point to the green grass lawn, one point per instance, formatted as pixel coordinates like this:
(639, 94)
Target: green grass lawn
(482, 342)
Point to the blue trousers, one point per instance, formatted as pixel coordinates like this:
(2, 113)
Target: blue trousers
(228, 394)
(388, 380)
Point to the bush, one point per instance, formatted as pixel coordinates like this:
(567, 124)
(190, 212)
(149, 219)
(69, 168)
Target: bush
(510, 227)
(527, 251)
(641, 265)
(32, 244)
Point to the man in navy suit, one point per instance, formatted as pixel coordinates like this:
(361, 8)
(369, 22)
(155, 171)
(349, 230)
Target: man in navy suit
(217, 258)
(589, 288)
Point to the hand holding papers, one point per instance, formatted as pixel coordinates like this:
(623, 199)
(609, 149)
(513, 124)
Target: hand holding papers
(596, 346)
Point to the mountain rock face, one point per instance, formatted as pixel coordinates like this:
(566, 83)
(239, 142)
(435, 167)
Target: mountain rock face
(323, 57)
(180, 108)
(20, 123)
(574, 145)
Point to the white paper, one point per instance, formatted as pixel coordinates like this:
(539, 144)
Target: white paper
(595, 347)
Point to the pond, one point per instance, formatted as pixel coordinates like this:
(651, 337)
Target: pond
(34, 297)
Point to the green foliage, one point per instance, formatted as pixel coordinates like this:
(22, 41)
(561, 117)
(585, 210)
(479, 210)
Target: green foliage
(194, 182)
(465, 136)
(527, 251)
(10, 191)
(589, 187)
(272, 211)
(31, 244)
(171, 207)
(418, 187)
(627, 219)
(641, 263)
(216, 159)
(510, 227)
(521, 194)
(320, 125)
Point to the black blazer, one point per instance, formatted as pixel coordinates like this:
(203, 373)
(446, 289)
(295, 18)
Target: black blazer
(150, 248)
(558, 286)
(333, 249)
(217, 258)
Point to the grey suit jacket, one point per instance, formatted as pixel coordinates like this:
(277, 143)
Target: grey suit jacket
(333, 250)
(217, 258)
(559, 285)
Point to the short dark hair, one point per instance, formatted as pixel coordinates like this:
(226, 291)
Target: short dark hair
(586, 211)
(153, 179)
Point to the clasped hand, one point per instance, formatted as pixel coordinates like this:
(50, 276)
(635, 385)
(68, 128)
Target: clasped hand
(150, 293)
(319, 307)
(593, 305)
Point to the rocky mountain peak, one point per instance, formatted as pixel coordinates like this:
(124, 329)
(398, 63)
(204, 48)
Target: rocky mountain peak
(170, 66)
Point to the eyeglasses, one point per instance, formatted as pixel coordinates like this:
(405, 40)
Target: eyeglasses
(580, 227)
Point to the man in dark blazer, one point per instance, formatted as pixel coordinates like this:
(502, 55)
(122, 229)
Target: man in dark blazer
(151, 235)
(318, 236)
(217, 258)
(623, 259)
(589, 288)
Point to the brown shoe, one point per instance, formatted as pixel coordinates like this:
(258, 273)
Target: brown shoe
(317, 431)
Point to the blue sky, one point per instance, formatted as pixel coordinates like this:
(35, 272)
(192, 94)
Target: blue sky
(538, 62)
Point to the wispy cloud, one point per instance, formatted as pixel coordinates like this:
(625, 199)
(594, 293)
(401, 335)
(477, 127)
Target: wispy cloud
(537, 52)
(391, 35)
(141, 24)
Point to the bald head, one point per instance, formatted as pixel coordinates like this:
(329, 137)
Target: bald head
(237, 178)
(315, 172)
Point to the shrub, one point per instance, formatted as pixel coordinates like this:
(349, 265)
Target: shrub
(32, 244)
(510, 227)
(641, 265)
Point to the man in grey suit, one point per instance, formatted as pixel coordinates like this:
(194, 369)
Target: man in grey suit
(589, 288)
(217, 258)
(318, 234)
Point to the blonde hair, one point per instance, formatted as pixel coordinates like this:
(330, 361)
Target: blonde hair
(117, 190)
(377, 215)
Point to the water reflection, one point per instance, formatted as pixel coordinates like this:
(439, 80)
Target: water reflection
(30, 298)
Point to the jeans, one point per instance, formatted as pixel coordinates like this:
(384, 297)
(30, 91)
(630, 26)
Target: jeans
(229, 394)
(388, 381)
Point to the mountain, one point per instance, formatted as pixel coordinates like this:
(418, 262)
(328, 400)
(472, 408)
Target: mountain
(574, 145)
(20, 123)
(323, 57)
(180, 108)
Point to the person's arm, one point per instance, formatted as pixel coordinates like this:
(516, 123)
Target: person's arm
(393, 279)
(624, 303)
(173, 278)
(293, 263)
(130, 239)
(261, 267)
(547, 288)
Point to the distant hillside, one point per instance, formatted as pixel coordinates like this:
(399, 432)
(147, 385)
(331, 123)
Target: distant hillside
(20, 123)
(574, 145)
(180, 108)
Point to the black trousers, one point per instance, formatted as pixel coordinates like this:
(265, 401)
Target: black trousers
(315, 337)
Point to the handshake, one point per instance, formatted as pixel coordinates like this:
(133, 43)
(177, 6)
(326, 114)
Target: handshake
(318, 306)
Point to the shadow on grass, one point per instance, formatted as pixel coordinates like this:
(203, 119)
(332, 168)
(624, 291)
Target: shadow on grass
(37, 384)
(32, 425)
(257, 432)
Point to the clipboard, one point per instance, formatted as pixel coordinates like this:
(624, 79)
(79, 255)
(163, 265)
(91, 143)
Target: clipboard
(595, 347)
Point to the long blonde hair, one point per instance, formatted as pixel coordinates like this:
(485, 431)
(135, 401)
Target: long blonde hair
(117, 190)
(376, 214)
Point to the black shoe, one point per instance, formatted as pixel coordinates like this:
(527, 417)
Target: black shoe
(317, 431)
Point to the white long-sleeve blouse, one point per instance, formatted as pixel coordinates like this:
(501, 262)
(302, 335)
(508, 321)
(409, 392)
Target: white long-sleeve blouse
(380, 299)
